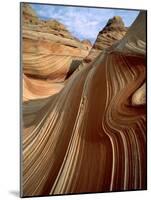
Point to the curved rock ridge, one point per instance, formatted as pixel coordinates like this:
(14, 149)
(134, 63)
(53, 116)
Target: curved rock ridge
(37, 88)
(50, 54)
(91, 136)
(49, 49)
(113, 31)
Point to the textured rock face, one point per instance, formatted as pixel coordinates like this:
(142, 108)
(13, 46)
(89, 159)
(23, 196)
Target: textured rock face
(28, 14)
(50, 52)
(48, 48)
(28, 11)
(87, 43)
(111, 33)
(91, 136)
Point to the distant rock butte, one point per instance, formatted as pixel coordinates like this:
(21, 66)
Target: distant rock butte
(109, 35)
(113, 31)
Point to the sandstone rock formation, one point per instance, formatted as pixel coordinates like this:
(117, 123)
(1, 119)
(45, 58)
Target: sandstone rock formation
(87, 43)
(111, 33)
(50, 52)
(91, 136)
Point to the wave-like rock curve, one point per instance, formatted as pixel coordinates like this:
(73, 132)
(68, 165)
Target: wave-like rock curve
(50, 54)
(91, 136)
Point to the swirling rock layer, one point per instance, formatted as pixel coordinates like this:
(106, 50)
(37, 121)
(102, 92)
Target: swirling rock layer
(50, 52)
(90, 137)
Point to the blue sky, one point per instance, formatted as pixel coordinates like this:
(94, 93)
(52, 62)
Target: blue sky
(83, 22)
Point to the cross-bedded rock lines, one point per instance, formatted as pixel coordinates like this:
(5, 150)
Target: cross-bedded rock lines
(91, 136)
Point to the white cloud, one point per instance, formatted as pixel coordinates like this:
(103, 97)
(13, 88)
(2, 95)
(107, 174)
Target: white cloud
(84, 23)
